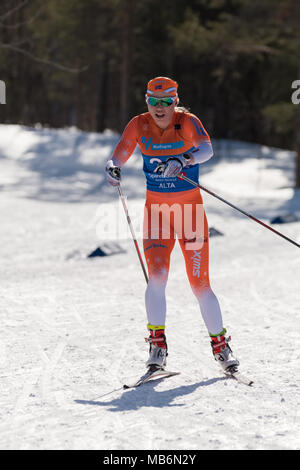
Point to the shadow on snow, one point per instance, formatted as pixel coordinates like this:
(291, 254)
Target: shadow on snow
(147, 396)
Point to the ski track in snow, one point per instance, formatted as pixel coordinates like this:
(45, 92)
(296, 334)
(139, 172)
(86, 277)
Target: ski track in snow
(73, 328)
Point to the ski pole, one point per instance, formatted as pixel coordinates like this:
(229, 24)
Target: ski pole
(182, 176)
(122, 197)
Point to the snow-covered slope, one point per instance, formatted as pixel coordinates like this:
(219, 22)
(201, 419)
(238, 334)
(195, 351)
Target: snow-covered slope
(72, 328)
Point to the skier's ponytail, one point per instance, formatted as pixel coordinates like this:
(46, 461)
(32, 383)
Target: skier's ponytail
(182, 109)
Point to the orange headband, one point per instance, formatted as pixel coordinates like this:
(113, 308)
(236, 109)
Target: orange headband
(162, 84)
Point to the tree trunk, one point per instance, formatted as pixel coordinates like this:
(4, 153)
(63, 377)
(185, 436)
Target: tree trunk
(86, 99)
(102, 94)
(126, 62)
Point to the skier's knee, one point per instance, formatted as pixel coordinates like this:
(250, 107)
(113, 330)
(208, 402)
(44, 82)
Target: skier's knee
(158, 277)
(202, 290)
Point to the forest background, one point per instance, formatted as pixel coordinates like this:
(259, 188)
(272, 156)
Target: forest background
(86, 63)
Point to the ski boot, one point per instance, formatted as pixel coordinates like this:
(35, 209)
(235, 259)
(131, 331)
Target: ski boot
(158, 348)
(223, 353)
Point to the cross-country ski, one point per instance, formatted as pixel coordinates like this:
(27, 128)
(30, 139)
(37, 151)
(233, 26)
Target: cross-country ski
(234, 373)
(152, 373)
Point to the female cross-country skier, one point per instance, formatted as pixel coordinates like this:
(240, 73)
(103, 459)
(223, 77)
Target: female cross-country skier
(173, 141)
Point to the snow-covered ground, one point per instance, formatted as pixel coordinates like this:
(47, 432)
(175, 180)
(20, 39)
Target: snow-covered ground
(73, 328)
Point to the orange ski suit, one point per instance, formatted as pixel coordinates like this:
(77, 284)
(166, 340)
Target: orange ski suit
(173, 208)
